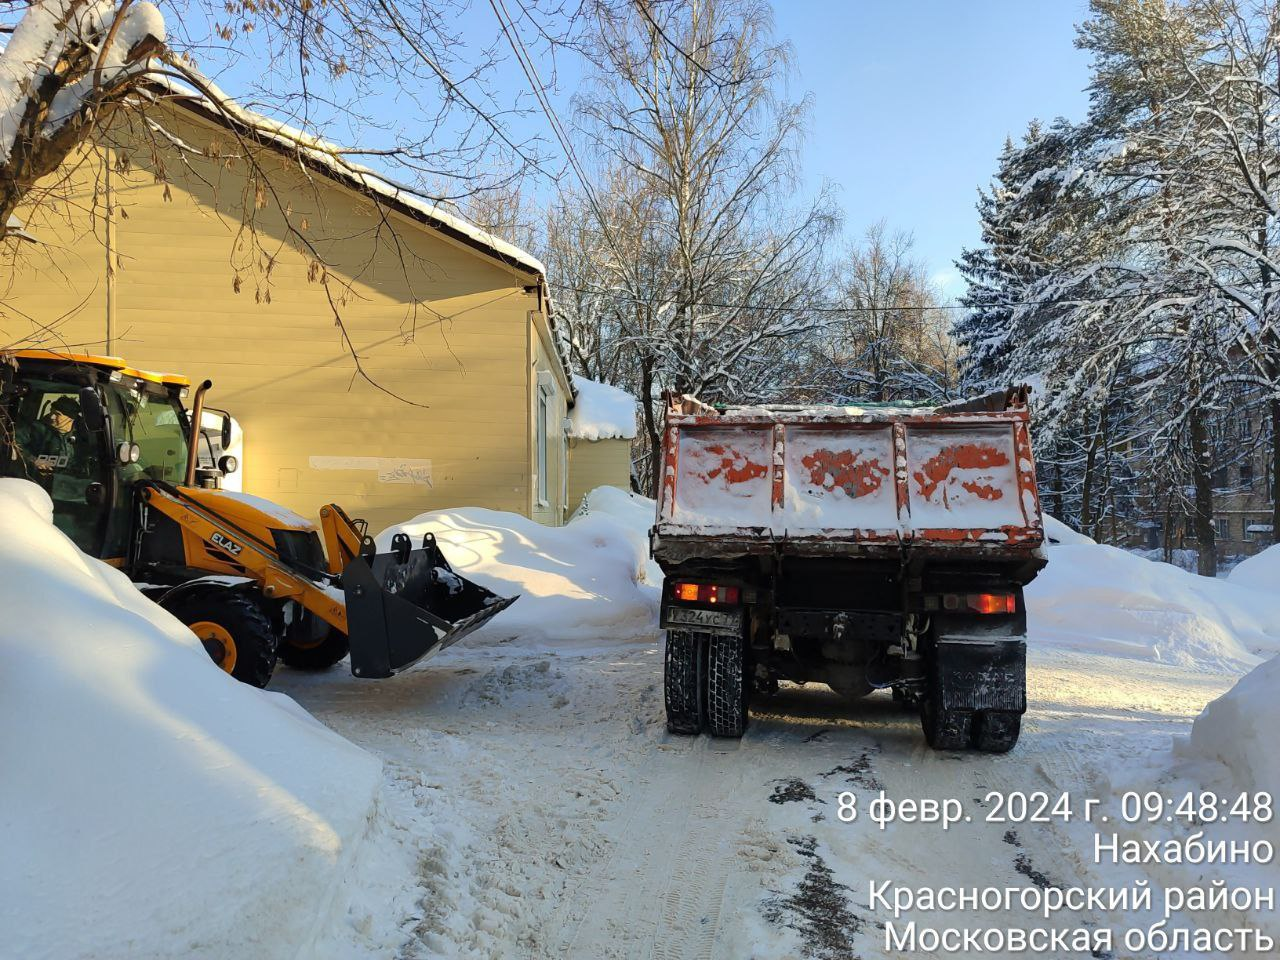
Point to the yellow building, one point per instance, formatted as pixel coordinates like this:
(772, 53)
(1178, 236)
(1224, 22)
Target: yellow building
(377, 350)
(601, 428)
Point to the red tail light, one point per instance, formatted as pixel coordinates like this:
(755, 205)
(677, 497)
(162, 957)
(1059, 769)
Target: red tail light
(992, 603)
(704, 593)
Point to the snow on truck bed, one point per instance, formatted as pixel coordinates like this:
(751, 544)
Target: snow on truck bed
(151, 806)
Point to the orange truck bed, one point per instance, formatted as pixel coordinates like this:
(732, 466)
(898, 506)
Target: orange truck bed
(875, 480)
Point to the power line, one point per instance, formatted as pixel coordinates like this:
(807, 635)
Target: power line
(511, 32)
(900, 308)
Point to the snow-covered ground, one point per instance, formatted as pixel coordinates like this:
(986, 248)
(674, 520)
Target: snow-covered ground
(533, 805)
(151, 806)
(559, 819)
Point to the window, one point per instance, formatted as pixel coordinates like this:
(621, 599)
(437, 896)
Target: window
(544, 411)
(1245, 428)
(1220, 527)
(1246, 473)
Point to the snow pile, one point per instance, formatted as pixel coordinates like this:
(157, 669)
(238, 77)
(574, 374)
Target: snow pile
(1106, 600)
(1238, 730)
(601, 412)
(1259, 572)
(588, 580)
(152, 806)
(1059, 533)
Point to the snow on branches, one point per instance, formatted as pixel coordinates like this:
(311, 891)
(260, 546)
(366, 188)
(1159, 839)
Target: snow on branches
(66, 62)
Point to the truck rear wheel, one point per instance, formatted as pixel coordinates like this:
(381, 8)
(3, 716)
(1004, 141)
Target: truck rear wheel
(726, 687)
(996, 731)
(231, 624)
(944, 729)
(682, 681)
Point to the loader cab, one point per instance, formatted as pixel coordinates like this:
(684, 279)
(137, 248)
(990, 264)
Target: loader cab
(87, 429)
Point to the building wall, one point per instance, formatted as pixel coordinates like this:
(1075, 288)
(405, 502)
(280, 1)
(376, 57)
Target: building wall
(547, 374)
(204, 289)
(597, 463)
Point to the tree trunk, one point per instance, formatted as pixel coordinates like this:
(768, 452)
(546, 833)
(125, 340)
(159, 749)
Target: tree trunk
(1201, 478)
(651, 428)
(1275, 470)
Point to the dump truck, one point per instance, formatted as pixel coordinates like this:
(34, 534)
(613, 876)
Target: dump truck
(134, 484)
(864, 548)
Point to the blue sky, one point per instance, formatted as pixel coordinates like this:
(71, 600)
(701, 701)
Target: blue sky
(912, 101)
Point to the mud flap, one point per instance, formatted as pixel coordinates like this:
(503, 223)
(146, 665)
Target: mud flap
(981, 673)
(408, 604)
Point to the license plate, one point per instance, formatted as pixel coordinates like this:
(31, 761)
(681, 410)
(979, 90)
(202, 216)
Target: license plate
(712, 621)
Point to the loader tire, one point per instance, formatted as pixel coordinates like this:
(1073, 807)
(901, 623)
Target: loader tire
(944, 729)
(232, 626)
(683, 681)
(996, 731)
(320, 655)
(727, 690)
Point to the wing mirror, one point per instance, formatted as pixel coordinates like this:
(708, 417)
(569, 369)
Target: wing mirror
(91, 409)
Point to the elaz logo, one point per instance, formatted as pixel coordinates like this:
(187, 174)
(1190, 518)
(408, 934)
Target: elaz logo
(227, 544)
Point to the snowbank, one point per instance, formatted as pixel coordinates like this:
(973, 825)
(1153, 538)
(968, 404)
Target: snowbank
(1107, 600)
(588, 580)
(1238, 730)
(151, 806)
(1059, 533)
(1259, 572)
(601, 412)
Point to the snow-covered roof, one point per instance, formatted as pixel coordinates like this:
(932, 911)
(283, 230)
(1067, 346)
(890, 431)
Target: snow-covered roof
(16, 228)
(330, 158)
(601, 412)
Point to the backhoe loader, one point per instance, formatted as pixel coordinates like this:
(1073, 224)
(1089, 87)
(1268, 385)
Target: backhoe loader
(134, 484)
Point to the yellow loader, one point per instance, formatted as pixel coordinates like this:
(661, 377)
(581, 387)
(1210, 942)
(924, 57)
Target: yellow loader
(136, 482)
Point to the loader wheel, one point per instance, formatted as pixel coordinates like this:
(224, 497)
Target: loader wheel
(944, 729)
(726, 687)
(317, 655)
(682, 681)
(233, 627)
(996, 731)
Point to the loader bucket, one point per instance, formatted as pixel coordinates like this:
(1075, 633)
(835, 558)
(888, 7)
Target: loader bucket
(408, 604)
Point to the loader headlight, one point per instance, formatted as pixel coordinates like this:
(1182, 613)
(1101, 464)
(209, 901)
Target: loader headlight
(128, 452)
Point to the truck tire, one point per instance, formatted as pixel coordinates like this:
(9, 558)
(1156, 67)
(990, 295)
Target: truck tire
(231, 624)
(727, 690)
(682, 681)
(944, 729)
(996, 731)
(317, 655)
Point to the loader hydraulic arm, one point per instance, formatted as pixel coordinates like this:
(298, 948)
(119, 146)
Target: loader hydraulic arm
(342, 537)
(275, 578)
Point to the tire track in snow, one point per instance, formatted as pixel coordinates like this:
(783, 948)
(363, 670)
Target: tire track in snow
(660, 892)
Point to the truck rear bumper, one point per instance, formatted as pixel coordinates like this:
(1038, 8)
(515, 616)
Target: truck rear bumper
(672, 549)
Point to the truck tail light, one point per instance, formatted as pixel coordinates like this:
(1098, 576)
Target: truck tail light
(705, 593)
(992, 603)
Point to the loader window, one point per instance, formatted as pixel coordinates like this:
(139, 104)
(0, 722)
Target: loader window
(157, 425)
(49, 443)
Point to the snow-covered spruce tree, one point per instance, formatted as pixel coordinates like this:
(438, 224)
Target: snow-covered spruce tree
(1147, 331)
(66, 66)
